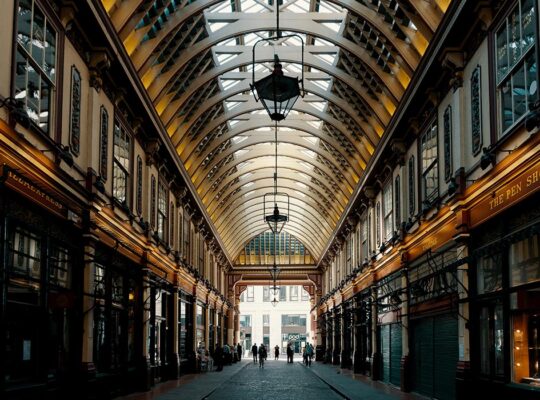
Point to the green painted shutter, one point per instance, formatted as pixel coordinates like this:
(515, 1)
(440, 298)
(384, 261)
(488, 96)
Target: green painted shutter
(446, 357)
(435, 355)
(423, 356)
(385, 352)
(395, 354)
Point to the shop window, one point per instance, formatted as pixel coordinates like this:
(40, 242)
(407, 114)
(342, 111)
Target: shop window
(293, 320)
(26, 254)
(162, 211)
(60, 267)
(387, 210)
(516, 73)
(491, 329)
(121, 160)
(35, 63)
(524, 261)
(525, 336)
(430, 170)
(489, 273)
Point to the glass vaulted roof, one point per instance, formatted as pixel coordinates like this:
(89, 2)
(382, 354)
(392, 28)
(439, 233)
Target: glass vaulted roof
(195, 60)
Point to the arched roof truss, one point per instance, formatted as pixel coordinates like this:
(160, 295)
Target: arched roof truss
(194, 57)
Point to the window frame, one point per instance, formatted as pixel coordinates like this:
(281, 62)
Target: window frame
(512, 71)
(53, 131)
(388, 215)
(117, 164)
(427, 167)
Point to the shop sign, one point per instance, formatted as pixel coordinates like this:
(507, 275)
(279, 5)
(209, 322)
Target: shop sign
(517, 189)
(294, 336)
(25, 187)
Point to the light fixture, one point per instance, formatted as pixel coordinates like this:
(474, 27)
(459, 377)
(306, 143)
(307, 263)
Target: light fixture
(487, 159)
(274, 301)
(277, 92)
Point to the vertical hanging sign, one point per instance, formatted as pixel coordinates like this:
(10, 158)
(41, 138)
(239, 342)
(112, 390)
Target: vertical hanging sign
(75, 111)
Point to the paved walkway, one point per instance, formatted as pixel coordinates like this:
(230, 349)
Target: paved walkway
(277, 380)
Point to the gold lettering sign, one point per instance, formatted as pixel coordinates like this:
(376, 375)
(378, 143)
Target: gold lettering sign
(31, 191)
(518, 188)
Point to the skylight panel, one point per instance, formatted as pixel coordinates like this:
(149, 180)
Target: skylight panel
(300, 193)
(247, 175)
(224, 58)
(322, 42)
(316, 124)
(302, 185)
(309, 153)
(229, 83)
(240, 153)
(311, 139)
(306, 165)
(249, 193)
(239, 139)
(324, 84)
(242, 165)
(246, 185)
(229, 105)
(225, 7)
(319, 105)
(251, 6)
(228, 42)
(326, 7)
(327, 58)
(216, 26)
(334, 26)
(233, 122)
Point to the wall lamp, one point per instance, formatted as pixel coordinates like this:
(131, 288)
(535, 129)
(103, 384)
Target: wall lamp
(16, 111)
(533, 120)
(63, 153)
(488, 156)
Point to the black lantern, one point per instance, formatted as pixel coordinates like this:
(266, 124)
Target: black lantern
(276, 221)
(277, 92)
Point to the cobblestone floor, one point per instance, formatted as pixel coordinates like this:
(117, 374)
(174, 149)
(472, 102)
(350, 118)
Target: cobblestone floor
(277, 380)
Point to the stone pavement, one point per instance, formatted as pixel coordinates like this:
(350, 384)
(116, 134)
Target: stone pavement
(277, 380)
(354, 386)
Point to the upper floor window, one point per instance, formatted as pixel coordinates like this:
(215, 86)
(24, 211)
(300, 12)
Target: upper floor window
(305, 295)
(245, 321)
(516, 63)
(397, 199)
(266, 293)
(35, 64)
(378, 223)
(294, 293)
(283, 293)
(411, 196)
(430, 171)
(250, 293)
(364, 238)
(162, 211)
(266, 319)
(387, 210)
(122, 157)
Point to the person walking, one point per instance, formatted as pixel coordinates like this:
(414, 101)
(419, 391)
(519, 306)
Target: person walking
(262, 355)
(254, 352)
(218, 357)
(309, 353)
(276, 352)
(227, 354)
(289, 353)
(239, 350)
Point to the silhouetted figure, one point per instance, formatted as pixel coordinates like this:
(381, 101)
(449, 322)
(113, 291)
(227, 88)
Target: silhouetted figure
(218, 357)
(239, 350)
(254, 350)
(276, 352)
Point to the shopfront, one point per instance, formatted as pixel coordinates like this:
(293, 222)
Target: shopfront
(389, 327)
(185, 330)
(506, 303)
(41, 261)
(433, 323)
(347, 323)
(362, 331)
